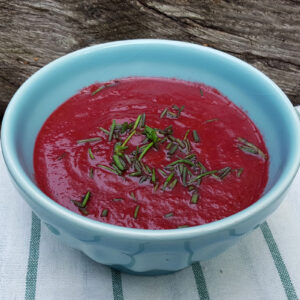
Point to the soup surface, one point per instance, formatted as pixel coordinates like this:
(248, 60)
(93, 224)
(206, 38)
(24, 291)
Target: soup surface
(151, 153)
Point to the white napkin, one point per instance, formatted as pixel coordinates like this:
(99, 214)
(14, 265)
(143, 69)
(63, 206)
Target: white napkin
(35, 265)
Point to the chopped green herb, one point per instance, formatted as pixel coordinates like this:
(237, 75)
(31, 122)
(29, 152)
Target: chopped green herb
(117, 199)
(163, 113)
(203, 175)
(180, 143)
(201, 92)
(132, 196)
(173, 149)
(143, 179)
(186, 134)
(108, 169)
(162, 172)
(189, 144)
(104, 130)
(171, 138)
(239, 172)
(119, 149)
(150, 134)
(156, 186)
(195, 198)
(153, 178)
(112, 128)
(128, 138)
(180, 168)
(183, 226)
(98, 90)
(184, 176)
(83, 210)
(169, 178)
(119, 172)
(202, 167)
(190, 156)
(137, 122)
(91, 173)
(145, 150)
(250, 148)
(86, 199)
(173, 184)
(224, 172)
(90, 140)
(104, 213)
(181, 161)
(148, 169)
(128, 159)
(196, 136)
(136, 211)
(168, 130)
(169, 146)
(169, 215)
(143, 120)
(137, 166)
(191, 188)
(172, 115)
(162, 140)
(119, 162)
(135, 174)
(211, 120)
(144, 167)
(77, 203)
(91, 153)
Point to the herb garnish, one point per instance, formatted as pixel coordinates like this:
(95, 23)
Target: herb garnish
(98, 90)
(91, 172)
(169, 215)
(85, 199)
(196, 136)
(104, 213)
(91, 140)
(185, 168)
(112, 128)
(239, 172)
(163, 113)
(136, 211)
(211, 120)
(248, 147)
(195, 198)
(91, 153)
(104, 130)
(61, 156)
(102, 87)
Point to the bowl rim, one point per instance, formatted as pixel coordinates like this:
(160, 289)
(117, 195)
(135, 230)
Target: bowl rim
(29, 188)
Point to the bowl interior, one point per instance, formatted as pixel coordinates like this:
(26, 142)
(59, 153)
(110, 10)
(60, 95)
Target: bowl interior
(264, 102)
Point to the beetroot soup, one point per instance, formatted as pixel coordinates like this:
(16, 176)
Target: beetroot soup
(151, 153)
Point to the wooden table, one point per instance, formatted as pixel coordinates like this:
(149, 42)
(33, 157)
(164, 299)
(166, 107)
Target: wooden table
(264, 33)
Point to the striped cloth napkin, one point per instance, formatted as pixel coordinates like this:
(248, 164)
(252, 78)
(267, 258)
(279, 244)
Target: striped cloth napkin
(35, 265)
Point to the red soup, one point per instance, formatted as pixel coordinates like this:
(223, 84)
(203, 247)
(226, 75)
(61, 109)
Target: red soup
(151, 153)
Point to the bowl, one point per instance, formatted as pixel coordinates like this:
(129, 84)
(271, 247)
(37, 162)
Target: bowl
(136, 250)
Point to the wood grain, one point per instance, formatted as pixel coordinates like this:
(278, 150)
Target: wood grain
(264, 33)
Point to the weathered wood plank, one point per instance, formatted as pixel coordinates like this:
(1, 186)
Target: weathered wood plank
(264, 33)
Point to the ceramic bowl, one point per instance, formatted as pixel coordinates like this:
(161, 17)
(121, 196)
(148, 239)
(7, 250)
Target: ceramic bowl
(136, 250)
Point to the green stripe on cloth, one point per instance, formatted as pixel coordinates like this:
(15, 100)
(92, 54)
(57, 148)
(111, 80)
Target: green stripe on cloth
(200, 282)
(279, 263)
(117, 284)
(33, 258)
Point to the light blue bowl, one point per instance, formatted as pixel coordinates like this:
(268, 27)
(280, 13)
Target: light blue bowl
(136, 250)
